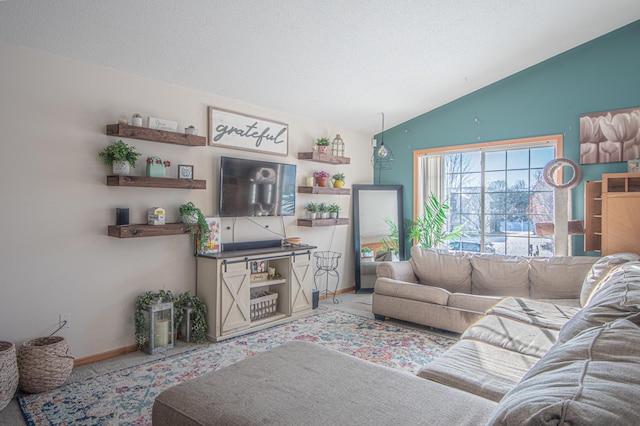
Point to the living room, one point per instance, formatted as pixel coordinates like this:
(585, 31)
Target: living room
(55, 110)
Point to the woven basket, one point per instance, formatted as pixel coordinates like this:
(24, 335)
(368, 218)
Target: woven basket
(8, 373)
(44, 363)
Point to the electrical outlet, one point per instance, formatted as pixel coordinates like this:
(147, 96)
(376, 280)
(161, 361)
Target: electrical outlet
(63, 318)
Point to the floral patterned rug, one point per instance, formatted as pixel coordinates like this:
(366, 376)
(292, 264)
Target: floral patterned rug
(125, 397)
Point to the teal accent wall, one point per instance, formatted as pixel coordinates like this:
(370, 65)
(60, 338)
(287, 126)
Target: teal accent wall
(545, 99)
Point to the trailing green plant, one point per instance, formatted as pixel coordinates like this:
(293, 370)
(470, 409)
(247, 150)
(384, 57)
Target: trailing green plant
(428, 230)
(190, 210)
(392, 242)
(322, 142)
(199, 325)
(119, 152)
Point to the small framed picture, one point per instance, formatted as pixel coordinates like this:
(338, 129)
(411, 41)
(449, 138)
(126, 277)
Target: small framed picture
(185, 172)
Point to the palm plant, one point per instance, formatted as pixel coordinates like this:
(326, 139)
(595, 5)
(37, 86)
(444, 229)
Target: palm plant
(428, 230)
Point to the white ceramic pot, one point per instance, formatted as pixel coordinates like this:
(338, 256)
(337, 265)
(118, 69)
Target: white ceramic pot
(191, 131)
(313, 215)
(333, 215)
(136, 121)
(192, 218)
(121, 168)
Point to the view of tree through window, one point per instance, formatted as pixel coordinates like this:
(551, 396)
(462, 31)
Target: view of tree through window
(498, 196)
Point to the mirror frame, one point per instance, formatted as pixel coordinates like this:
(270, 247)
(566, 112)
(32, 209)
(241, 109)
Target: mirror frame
(357, 188)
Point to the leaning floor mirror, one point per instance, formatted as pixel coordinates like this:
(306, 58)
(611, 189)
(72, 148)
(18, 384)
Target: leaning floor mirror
(378, 230)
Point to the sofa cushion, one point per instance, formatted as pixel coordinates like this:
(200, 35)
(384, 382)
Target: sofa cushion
(499, 275)
(472, 302)
(542, 314)
(479, 368)
(419, 292)
(558, 277)
(617, 296)
(512, 335)
(600, 269)
(447, 270)
(591, 379)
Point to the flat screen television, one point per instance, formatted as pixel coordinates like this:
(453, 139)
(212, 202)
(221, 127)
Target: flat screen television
(256, 188)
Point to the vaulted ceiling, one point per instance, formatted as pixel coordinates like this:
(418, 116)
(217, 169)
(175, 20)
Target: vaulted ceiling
(339, 61)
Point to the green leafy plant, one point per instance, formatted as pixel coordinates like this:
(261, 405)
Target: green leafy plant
(333, 208)
(199, 325)
(392, 242)
(119, 151)
(136, 115)
(365, 251)
(338, 176)
(322, 142)
(428, 230)
(322, 208)
(311, 207)
(188, 212)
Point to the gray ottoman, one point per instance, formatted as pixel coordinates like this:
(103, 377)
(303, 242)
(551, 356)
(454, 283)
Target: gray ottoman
(306, 384)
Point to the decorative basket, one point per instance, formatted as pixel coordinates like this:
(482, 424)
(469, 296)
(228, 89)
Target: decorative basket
(44, 363)
(8, 373)
(263, 306)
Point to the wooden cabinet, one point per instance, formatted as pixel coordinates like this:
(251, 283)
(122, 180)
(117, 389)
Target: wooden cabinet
(620, 207)
(225, 285)
(611, 214)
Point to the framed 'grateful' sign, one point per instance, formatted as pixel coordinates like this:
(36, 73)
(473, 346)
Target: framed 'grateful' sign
(239, 131)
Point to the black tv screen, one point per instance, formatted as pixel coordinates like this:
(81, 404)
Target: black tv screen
(256, 188)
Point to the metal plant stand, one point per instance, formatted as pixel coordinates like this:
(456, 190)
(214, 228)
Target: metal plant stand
(327, 265)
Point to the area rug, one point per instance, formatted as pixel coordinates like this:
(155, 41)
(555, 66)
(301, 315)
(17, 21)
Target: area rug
(125, 397)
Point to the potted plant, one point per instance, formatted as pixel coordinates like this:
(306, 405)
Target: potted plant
(321, 177)
(428, 229)
(312, 208)
(323, 209)
(191, 215)
(198, 332)
(191, 130)
(323, 145)
(121, 156)
(136, 119)
(366, 252)
(334, 210)
(338, 180)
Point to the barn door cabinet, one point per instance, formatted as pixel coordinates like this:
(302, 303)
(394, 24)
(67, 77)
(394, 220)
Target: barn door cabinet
(227, 284)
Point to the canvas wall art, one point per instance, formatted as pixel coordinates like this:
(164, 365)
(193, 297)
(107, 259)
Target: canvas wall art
(610, 136)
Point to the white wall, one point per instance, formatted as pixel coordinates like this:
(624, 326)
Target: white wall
(55, 255)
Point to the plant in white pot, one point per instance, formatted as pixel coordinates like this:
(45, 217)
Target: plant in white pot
(192, 215)
(120, 156)
(191, 130)
(323, 209)
(136, 119)
(334, 210)
(312, 208)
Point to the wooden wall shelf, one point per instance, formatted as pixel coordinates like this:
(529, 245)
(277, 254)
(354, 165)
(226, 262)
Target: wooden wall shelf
(143, 230)
(323, 190)
(323, 222)
(323, 158)
(146, 134)
(155, 182)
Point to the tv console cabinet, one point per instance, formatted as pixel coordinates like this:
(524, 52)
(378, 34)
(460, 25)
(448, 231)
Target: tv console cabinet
(227, 280)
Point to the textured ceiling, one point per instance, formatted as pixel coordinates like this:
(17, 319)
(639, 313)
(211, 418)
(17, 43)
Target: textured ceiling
(338, 61)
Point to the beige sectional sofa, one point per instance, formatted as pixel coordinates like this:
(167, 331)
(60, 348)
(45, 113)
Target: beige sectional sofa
(451, 291)
(526, 362)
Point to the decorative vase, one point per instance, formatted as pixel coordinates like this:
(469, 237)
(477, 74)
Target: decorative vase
(321, 181)
(136, 121)
(333, 215)
(8, 373)
(338, 183)
(313, 215)
(121, 168)
(322, 149)
(191, 131)
(325, 215)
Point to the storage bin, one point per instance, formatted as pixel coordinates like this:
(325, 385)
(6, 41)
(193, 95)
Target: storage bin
(264, 305)
(44, 363)
(8, 373)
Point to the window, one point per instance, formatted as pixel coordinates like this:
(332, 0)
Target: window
(496, 191)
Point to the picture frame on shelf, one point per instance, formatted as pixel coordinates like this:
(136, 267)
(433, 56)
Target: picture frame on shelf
(185, 171)
(228, 129)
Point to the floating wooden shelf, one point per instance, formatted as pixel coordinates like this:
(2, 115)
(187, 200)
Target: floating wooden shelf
(143, 230)
(323, 222)
(155, 182)
(323, 158)
(146, 134)
(323, 190)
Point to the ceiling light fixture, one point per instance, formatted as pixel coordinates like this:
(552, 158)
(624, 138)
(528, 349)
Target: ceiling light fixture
(382, 155)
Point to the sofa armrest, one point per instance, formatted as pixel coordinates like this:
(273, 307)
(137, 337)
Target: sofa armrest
(401, 271)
